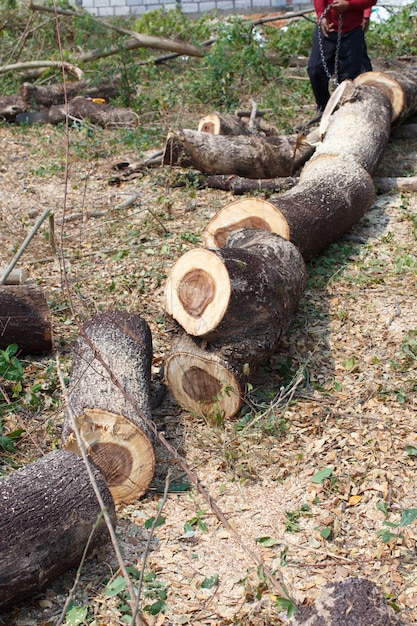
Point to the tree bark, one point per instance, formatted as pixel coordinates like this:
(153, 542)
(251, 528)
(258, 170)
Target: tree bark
(249, 156)
(356, 124)
(249, 288)
(48, 510)
(111, 405)
(25, 319)
(400, 87)
(333, 193)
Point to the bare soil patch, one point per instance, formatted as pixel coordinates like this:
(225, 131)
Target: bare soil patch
(340, 394)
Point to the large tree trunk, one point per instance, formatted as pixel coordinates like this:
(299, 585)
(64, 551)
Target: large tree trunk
(48, 510)
(332, 195)
(356, 124)
(400, 87)
(250, 156)
(25, 319)
(250, 287)
(109, 395)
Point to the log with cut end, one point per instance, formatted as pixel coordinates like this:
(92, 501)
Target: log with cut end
(109, 396)
(48, 510)
(25, 319)
(400, 87)
(200, 380)
(356, 124)
(227, 124)
(332, 195)
(248, 289)
(249, 156)
(104, 115)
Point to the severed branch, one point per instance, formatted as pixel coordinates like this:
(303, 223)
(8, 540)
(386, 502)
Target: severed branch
(69, 67)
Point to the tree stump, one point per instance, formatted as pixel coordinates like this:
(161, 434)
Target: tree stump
(249, 156)
(25, 319)
(111, 405)
(248, 288)
(333, 193)
(48, 510)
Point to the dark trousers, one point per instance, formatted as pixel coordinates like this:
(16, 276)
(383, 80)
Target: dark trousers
(351, 57)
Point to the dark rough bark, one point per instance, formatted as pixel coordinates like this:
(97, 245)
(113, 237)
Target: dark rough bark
(351, 602)
(113, 421)
(25, 319)
(47, 512)
(249, 156)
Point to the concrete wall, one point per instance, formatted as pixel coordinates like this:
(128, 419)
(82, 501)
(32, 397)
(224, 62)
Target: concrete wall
(105, 8)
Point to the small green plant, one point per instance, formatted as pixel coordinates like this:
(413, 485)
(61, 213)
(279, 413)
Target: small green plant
(10, 366)
(292, 518)
(195, 523)
(392, 533)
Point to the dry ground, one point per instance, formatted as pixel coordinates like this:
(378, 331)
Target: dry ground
(352, 350)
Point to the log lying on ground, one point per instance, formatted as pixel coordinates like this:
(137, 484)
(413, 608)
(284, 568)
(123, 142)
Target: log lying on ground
(208, 377)
(113, 421)
(402, 183)
(48, 510)
(332, 195)
(356, 124)
(25, 319)
(227, 124)
(250, 288)
(200, 380)
(238, 185)
(81, 108)
(400, 87)
(250, 156)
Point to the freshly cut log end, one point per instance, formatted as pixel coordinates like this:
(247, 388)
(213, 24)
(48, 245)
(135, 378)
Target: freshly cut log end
(200, 381)
(244, 213)
(48, 510)
(25, 319)
(388, 85)
(197, 291)
(121, 451)
(109, 396)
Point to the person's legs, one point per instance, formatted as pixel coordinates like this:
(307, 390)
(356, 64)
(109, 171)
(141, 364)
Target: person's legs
(318, 78)
(351, 54)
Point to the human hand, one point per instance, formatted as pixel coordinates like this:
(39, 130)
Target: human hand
(365, 24)
(326, 28)
(340, 5)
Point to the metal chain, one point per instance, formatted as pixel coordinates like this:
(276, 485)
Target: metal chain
(335, 77)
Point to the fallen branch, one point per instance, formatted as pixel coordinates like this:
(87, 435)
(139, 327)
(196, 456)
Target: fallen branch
(69, 67)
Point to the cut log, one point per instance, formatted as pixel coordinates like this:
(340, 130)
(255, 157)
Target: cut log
(82, 108)
(249, 156)
(25, 319)
(45, 96)
(332, 195)
(356, 124)
(201, 381)
(257, 277)
(109, 396)
(48, 510)
(385, 185)
(16, 277)
(400, 87)
(217, 124)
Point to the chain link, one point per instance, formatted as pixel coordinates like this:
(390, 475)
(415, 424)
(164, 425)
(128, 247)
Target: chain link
(335, 77)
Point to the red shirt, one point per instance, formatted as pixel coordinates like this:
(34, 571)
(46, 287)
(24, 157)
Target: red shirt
(351, 18)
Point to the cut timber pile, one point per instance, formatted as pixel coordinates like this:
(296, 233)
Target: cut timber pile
(109, 397)
(240, 299)
(222, 336)
(25, 319)
(48, 510)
